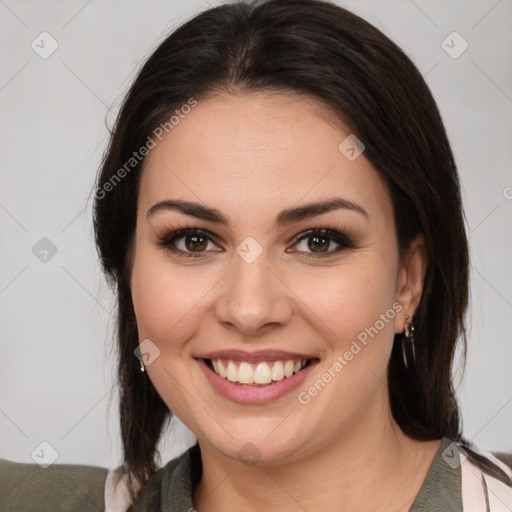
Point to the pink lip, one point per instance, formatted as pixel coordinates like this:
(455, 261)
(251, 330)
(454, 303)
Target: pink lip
(247, 394)
(255, 357)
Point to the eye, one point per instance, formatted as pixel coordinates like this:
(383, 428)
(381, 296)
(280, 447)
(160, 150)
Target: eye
(196, 243)
(319, 242)
(190, 243)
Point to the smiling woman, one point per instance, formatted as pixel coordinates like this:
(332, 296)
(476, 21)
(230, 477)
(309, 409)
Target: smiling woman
(291, 269)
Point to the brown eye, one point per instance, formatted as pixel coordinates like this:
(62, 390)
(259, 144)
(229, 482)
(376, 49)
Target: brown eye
(323, 242)
(318, 243)
(188, 243)
(195, 243)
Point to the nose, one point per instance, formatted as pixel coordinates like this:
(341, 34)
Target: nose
(253, 299)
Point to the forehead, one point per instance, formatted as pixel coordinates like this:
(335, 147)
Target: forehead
(256, 152)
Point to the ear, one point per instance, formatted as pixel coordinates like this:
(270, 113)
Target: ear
(411, 276)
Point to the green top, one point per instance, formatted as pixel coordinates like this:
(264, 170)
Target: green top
(171, 488)
(58, 488)
(442, 487)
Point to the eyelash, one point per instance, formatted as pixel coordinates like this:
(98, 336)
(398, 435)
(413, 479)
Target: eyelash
(168, 239)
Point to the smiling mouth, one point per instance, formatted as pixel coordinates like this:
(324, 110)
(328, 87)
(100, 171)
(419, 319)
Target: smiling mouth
(263, 373)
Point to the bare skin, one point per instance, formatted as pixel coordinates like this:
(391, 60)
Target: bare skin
(249, 157)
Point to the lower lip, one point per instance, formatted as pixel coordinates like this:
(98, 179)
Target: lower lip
(247, 394)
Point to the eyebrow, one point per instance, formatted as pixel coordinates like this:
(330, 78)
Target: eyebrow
(285, 217)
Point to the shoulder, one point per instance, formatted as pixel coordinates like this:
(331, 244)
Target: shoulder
(486, 478)
(55, 487)
(149, 498)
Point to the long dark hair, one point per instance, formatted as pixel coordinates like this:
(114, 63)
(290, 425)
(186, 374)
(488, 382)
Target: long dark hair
(323, 51)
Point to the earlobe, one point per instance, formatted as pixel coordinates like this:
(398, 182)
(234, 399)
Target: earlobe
(410, 280)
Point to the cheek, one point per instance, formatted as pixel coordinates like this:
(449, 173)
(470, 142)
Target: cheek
(168, 302)
(356, 308)
(169, 305)
(349, 298)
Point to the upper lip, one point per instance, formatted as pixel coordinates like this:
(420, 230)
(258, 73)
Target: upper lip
(256, 356)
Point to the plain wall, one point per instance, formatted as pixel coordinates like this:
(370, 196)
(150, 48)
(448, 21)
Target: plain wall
(56, 359)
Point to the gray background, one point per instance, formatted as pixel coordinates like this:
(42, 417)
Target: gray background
(56, 359)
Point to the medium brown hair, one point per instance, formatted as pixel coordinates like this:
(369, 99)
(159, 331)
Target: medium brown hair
(320, 50)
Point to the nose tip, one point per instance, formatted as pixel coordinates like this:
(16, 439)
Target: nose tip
(253, 300)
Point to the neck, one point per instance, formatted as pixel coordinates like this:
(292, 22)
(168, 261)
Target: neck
(371, 467)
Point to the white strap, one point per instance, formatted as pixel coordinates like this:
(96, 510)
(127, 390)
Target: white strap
(117, 497)
(473, 495)
(500, 495)
(482, 492)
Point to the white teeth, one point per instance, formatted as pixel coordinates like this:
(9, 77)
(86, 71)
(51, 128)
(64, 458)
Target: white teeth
(262, 373)
(245, 373)
(278, 371)
(220, 369)
(288, 368)
(231, 371)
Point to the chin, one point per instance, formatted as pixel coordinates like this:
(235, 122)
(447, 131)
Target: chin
(258, 448)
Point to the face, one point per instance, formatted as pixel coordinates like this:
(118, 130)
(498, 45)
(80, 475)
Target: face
(266, 277)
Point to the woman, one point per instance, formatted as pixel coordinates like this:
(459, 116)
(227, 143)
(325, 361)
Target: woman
(280, 214)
